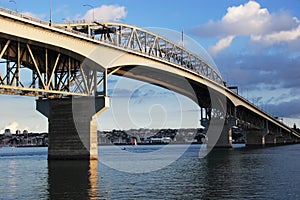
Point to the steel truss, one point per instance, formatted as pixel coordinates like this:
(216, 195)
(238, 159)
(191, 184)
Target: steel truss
(142, 41)
(31, 70)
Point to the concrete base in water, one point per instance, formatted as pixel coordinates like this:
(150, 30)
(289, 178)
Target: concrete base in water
(255, 138)
(72, 127)
(219, 135)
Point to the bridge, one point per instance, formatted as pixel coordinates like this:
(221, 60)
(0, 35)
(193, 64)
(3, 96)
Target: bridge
(66, 66)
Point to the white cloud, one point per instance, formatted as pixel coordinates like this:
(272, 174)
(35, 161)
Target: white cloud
(12, 126)
(250, 19)
(221, 44)
(106, 13)
(277, 37)
(246, 18)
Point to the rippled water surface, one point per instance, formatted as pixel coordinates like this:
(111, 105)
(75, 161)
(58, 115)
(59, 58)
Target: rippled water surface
(239, 173)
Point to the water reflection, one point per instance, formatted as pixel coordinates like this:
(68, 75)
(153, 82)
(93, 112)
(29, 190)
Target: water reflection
(235, 174)
(73, 179)
(265, 173)
(217, 162)
(12, 182)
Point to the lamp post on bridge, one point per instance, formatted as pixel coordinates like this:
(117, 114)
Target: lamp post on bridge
(93, 8)
(50, 21)
(12, 1)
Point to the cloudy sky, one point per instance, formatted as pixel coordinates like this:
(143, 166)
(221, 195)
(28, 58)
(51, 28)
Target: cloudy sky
(255, 45)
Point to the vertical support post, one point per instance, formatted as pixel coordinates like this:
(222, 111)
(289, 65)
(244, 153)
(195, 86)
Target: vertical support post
(95, 83)
(201, 113)
(204, 119)
(18, 64)
(145, 47)
(55, 80)
(46, 67)
(89, 31)
(69, 74)
(105, 83)
(33, 78)
(8, 69)
(120, 37)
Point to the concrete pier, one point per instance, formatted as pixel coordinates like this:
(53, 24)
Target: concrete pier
(219, 135)
(270, 139)
(255, 138)
(72, 126)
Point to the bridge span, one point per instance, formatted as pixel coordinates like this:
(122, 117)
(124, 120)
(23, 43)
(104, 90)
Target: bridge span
(66, 66)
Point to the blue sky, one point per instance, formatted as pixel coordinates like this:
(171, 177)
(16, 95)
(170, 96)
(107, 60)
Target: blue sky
(255, 44)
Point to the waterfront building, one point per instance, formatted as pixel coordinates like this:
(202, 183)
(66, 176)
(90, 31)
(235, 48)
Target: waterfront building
(7, 133)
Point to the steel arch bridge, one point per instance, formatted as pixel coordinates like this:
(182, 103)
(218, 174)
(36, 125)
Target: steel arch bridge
(74, 59)
(129, 39)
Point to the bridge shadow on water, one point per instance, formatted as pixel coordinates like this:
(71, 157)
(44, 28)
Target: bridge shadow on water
(72, 179)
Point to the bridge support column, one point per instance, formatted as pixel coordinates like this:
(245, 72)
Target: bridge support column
(72, 126)
(270, 139)
(280, 140)
(224, 140)
(255, 138)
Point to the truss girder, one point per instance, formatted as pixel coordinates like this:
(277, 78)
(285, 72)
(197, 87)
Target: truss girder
(30, 70)
(145, 42)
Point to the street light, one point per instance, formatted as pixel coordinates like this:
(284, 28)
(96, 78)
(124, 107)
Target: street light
(12, 1)
(93, 10)
(50, 21)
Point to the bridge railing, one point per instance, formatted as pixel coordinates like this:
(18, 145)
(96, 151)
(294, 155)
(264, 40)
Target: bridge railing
(18, 14)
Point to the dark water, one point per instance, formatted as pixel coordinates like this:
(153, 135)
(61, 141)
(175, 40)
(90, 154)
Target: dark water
(239, 173)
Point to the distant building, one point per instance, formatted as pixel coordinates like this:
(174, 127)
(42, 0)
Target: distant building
(7, 133)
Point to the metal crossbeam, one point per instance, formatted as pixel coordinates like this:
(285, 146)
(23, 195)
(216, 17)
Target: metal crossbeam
(53, 74)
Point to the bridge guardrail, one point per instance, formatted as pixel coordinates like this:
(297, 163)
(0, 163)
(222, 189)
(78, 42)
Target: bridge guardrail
(15, 13)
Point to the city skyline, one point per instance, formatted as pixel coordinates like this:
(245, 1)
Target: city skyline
(255, 45)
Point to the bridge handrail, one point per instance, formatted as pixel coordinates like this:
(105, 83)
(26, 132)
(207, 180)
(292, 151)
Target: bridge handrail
(18, 14)
(182, 57)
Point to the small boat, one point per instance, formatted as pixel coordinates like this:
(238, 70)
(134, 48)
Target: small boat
(133, 142)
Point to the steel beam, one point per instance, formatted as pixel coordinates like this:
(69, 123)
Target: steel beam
(57, 74)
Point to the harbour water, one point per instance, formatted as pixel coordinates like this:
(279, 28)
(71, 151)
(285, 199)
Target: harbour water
(238, 173)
